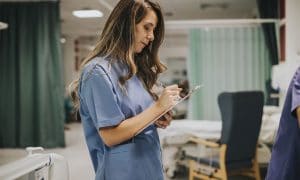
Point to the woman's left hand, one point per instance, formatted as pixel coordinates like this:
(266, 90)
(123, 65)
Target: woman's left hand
(165, 120)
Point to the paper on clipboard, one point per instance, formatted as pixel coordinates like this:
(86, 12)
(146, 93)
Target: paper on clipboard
(179, 101)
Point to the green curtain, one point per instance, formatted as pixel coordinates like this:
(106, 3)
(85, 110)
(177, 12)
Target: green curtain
(225, 59)
(31, 84)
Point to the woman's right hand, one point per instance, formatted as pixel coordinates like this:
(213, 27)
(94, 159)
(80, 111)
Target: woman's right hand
(169, 97)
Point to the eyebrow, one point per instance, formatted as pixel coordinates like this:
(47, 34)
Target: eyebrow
(147, 22)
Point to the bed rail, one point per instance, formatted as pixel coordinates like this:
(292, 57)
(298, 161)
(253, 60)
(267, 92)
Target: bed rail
(36, 166)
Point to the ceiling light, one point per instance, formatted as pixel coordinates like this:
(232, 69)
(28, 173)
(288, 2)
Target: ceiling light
(62, 40)
(3, 25)
(87, 13)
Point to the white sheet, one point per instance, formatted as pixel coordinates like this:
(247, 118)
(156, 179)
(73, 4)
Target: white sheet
(180, 130)
(174, 139)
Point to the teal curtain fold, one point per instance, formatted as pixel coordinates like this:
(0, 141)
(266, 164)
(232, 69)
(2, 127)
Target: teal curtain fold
(31, 109)
(225, 59)
(270, 9)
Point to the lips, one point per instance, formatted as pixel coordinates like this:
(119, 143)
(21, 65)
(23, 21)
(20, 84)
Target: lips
(145, 44)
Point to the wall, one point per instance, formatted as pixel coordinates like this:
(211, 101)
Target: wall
(69, 60)
(174, 54)
(283, 72)
(292, 31)
(175, 47)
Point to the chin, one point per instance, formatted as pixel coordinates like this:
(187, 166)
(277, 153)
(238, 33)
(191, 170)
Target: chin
(138, 50)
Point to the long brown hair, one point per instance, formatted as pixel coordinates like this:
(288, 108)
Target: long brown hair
(116, 43)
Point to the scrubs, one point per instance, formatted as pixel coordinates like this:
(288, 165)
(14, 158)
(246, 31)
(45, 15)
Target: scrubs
(104, 103)
(285, 159)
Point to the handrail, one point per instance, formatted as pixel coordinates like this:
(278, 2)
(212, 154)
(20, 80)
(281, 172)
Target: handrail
(24, 166)
(57, 167)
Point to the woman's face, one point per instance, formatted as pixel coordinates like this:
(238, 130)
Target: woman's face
(144, 31)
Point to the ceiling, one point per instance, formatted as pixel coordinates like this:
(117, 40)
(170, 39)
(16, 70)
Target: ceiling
(172, 9)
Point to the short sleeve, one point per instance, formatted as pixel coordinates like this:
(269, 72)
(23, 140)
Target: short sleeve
(296, 92)
(100, 99)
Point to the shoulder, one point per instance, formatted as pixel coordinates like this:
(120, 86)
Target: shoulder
(95, 67)
(95, 75)
(297, 76)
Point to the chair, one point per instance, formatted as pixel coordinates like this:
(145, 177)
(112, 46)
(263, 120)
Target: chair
(241, 114)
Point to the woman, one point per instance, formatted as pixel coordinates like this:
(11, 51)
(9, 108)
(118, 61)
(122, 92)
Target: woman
(285, 159)
(115, 94)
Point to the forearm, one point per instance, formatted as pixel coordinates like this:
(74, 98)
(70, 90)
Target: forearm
(298, 115)
(129, 127)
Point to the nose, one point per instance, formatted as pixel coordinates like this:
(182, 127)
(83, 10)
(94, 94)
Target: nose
(150, 36)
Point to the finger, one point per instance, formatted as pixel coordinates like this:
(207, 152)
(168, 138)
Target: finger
(165, 123)
(176, 98)
(162, 127)
(161, 119)
(170, 113)
(173, 88)
(158, 124)
(168, 116)
(168, 121)
(172, 93)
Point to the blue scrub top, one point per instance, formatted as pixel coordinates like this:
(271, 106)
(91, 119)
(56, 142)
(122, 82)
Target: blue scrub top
(285, 159)
(104, 103)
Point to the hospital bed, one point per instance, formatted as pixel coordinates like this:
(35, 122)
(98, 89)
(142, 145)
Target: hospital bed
(175, 146)
(36, 166)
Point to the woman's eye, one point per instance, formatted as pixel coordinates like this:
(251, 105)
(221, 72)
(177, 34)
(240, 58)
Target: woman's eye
(147, 28)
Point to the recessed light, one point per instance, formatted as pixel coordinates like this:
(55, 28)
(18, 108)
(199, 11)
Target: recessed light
(3, 25)
(87, 13)
(63, 40)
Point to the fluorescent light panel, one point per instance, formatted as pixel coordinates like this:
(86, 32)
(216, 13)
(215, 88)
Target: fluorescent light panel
(87, 13)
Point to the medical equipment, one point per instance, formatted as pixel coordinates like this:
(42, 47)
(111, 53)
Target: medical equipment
(36, 166)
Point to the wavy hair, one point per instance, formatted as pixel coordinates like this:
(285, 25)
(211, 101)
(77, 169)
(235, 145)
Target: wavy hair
(116, 43)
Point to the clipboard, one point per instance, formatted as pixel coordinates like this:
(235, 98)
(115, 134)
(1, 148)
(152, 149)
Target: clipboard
(196, 88)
